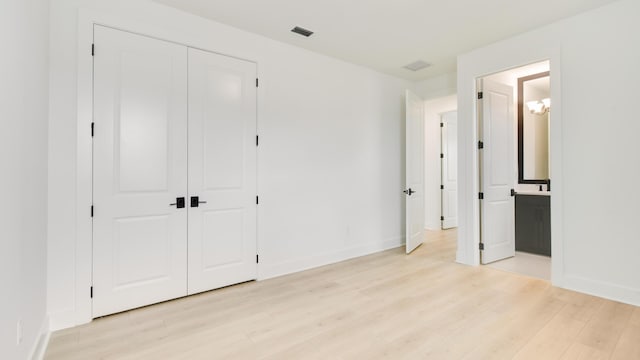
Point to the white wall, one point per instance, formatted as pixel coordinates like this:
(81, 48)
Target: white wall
(594, 77)
(23, 160)
(433, 109)
(437, 87)
(331, 156)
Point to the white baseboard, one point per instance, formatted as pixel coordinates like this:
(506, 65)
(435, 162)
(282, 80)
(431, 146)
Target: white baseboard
(62, 320)
(602, 289)
(66, 319)
(268, 271)
(42, 341)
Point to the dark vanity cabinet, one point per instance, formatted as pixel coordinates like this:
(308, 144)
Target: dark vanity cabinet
(533, 224)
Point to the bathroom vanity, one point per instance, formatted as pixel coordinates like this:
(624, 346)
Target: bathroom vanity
(533, 223)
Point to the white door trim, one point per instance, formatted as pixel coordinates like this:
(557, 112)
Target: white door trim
(81, 311)
(445, 221)
(476, 65)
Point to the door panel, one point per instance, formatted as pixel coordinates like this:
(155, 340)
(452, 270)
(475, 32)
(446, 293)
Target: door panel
(142, 122)
(224, 245)
(222, 171)
(414, 123)
(450, 169)
(132, 238)
(140, 158)
(498, 172)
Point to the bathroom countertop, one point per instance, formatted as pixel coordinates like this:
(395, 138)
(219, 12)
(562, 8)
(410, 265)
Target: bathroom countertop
(538, 193)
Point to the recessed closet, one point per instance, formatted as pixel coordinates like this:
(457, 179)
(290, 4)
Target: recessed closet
(174, 171)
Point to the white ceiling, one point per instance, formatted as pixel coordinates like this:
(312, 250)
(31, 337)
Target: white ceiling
(387, 34)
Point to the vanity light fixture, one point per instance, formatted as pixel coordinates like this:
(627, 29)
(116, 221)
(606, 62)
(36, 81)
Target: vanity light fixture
(539, 107)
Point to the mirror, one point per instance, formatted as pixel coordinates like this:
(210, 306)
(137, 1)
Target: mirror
(533, 129)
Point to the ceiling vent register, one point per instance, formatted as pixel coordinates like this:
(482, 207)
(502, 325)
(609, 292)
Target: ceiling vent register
(302, 31)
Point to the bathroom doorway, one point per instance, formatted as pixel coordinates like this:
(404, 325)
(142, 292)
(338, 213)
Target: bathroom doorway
(514, 113)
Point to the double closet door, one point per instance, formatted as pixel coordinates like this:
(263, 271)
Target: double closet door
(174, 178)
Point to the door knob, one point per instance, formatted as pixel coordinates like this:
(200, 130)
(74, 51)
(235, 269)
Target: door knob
(195, 201)
(409, 192)
(179, 203)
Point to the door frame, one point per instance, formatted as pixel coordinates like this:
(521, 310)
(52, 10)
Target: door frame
(434, 108)
(442, 175)
(476, 65)
(81, 312)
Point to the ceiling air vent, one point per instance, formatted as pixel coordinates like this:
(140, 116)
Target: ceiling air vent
(302, 31)
(417, 65)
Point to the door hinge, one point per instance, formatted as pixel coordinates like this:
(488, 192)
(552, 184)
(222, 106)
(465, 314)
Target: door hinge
(480, 95)
(257, 259)
(93, 49)
(257, 82)
(91, 210)
(441, 187)
(441, 124)
(481, 196)
(441, 156)
(257, 200)
(91, 292)
(481, 246)
(92, 129)
(513, 192)
(257, 140)
(441, 218)
(480, 145)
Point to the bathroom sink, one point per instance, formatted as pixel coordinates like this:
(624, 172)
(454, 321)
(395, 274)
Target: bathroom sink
(529, 192)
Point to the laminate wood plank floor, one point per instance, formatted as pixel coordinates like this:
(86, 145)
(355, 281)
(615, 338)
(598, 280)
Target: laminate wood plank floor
(382, 306)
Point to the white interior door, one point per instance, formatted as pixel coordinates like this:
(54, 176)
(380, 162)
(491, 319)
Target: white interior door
(222, 171)
(140, 168)
(449, 182)
(498, 212)
(414, 189)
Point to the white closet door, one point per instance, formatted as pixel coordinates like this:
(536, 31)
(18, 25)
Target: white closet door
(498, 169)
(450, 169)
(222, 171)
(414, 205)
(140, 168)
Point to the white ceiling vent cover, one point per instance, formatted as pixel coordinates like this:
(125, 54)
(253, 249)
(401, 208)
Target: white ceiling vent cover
(417, 65)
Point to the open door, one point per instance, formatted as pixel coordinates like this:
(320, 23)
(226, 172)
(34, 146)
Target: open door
(449, 188)
(414, 191)
(497, 172)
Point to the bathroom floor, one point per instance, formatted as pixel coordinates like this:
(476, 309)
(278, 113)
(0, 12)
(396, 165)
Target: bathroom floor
(536, 266)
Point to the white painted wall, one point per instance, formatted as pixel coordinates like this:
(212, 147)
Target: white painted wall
(594, 77)
(437, 87)
(330, 159)
(433, 165)
(23, 160)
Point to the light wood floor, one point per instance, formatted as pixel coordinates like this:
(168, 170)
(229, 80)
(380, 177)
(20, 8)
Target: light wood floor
(383, 306)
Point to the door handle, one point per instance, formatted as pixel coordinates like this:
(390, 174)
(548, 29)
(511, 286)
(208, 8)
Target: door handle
(409, 192)
(195, 201)
(179, 203)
